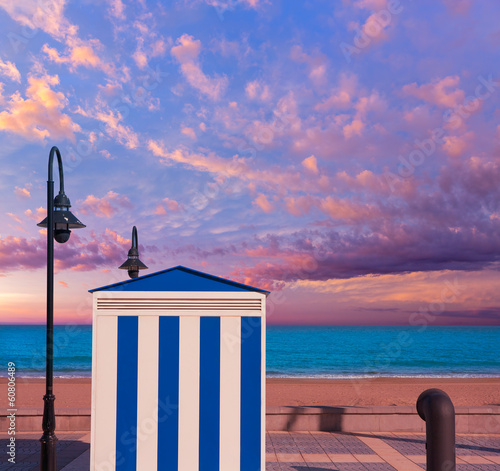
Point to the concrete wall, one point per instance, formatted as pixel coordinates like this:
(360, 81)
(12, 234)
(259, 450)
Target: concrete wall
(345, 419)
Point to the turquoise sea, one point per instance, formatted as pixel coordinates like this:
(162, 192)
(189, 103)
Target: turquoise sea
(295, 351)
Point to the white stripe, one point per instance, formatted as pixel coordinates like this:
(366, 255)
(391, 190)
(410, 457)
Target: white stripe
(189, 393)
(263, 384)
(230, 386)
(147, 394)
(104, 386)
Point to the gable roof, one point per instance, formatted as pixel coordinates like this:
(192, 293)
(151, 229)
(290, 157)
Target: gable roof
(179, 279)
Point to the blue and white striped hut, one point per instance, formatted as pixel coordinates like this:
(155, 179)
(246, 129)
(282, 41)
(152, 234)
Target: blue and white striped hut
(178, 374)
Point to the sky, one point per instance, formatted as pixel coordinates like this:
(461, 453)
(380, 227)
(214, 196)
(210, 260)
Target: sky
(344, 155)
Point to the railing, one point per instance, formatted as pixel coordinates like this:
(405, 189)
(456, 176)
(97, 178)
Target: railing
(435, 407)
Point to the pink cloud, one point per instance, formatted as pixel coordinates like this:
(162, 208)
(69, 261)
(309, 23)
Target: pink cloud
(22, 192)
(186, 51)
(189, 132)
(83, 252)
(455, 146)
(9, 69)
(107, 206)
(112, 120)
(78, 56)
(167, 205)
(354, 128)
(263, 203)
(14, 217)
(440, 92)
(223, 5)
(234, 167)
(39, 215)
(117, 9)
(40, 115)
(63, 283)
(256, 90)
(311, 164)
(342, 96)
(345, 209)
(51, 20)
(316, 64)
(298, 206)
(460, 7)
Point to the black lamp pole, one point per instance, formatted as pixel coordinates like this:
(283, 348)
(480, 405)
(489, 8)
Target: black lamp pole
(58, 222)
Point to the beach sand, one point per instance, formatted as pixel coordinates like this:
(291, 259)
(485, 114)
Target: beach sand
(76, 392)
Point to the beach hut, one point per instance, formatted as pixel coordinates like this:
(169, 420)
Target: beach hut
(178, 374)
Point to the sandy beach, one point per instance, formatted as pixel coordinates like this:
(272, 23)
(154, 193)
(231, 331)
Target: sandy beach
(76, 392)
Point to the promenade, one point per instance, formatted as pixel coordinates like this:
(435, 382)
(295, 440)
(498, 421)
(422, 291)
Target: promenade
(293, 451)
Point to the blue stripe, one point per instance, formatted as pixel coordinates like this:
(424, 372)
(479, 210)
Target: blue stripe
(250, 445)
(209, 393)
(168, 394)
(126, 394)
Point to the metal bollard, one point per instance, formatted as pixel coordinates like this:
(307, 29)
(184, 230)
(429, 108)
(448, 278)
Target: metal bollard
(436, 409)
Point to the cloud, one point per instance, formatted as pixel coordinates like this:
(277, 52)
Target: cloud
(107, 206)
(39, 116)
(111, 119)
(443, 93)
(354, 128)
(301, 205)
(455, 146)
(63, 283)
(82, 55)
(149, 44)
(189, 132)
(22, 192)
(49, 17)
(186, 51)
(117, 9)
(317, 65)
(223, 5)
(311, 164)
(8, 69)
(263, 203)
(85, 252)
(38, 215)
(234, 167)
(167, 205)
(342, 96)
(376, 27)
(14, 217)
(255, 90)
(459, 7)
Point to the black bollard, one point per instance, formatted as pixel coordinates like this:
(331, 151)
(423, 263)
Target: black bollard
(435, 407)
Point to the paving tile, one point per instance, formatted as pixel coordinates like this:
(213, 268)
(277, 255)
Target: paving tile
(273, 467)
(294, 467)
(296, 451)
(369, 458)
(316, 458)
(344, 458)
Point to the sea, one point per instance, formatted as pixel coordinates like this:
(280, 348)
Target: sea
(295, 351)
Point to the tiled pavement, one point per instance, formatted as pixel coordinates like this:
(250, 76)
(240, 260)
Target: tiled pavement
(294, 451)
(70, 445)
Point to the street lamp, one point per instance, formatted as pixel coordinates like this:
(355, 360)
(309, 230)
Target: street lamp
(58, 222)
(133, 264)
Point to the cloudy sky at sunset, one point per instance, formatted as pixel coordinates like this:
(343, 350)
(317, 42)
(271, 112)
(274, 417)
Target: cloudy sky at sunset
(343, 154)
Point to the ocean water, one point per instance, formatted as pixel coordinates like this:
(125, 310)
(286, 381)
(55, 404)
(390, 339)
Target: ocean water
(368, 351)
(295, 351)
(25, 346)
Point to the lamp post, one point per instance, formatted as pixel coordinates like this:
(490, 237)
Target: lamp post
(133, 264)
(58, 222)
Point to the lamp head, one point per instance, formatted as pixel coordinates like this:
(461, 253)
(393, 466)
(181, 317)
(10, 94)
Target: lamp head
(133, 264)
(64, 219)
